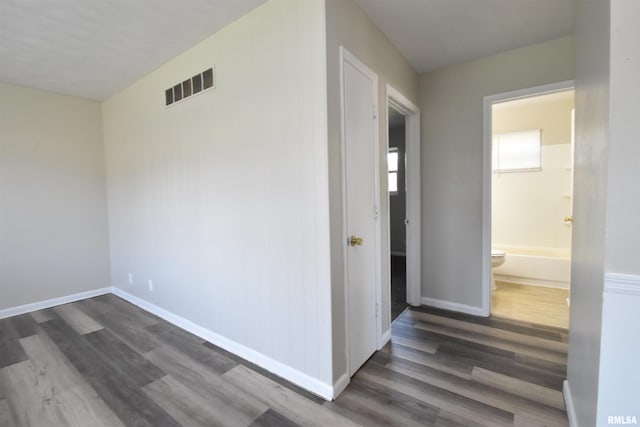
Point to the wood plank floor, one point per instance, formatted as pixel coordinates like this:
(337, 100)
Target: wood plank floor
(105, 362)
(398, 285)
(529, 303)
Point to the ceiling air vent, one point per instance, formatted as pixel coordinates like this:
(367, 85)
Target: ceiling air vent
(193, 86)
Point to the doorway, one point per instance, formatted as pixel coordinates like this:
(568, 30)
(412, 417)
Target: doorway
(396, 187)
(404, 208)
(530, 203)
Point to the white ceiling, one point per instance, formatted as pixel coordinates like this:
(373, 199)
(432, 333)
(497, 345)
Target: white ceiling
(94, 48)
(435, 33)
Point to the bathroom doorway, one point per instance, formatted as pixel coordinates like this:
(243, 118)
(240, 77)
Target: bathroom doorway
(531, 206)
(396, 166)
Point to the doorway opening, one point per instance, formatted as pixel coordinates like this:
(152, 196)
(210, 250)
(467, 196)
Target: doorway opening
(404, 210)
(530, 209)
(396, 168)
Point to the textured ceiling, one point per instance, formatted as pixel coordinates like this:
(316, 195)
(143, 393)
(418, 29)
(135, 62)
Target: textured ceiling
(94, 48)
(435, 33)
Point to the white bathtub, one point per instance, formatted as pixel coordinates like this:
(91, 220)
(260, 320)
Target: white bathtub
(535, 266)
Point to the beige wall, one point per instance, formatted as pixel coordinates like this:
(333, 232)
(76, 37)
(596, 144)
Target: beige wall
(53, 222)
(527, 208)
(551, 113)
(452, 165)
(222, 200)
(349, 26)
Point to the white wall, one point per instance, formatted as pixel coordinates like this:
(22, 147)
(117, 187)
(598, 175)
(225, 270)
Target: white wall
(53, 223)
(451, 104)
(619, 369)
(222, 200)
(590, 198)
(528, 207)
(349, 26)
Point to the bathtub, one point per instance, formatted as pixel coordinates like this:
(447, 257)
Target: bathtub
(535, 266)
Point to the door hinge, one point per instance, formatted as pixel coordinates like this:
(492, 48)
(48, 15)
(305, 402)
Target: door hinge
(376, 212)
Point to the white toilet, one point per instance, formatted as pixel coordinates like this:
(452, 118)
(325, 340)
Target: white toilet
(497, 259)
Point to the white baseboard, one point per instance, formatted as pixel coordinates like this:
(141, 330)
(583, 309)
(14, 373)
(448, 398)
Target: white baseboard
(453, 306)
(384, 339)
(340, 385)
(568, 401)
(41, 305)
(300, 379)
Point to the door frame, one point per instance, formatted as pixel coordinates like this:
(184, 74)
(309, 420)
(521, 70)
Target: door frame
(346, 56)
(413, 206)
(487, 103)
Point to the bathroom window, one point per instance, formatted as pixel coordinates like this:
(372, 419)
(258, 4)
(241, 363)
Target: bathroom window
(392, 162)
(517, 151)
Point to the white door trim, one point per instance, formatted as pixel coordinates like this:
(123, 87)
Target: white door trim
(487, 103)
(346, 56)
(413, 199)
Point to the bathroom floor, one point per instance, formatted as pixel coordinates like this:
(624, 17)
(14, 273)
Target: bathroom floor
(535, 304)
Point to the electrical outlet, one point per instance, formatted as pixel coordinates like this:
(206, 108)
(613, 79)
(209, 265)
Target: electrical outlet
(150, 285)
(131, 278)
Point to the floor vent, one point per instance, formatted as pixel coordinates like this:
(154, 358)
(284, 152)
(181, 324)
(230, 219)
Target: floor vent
(193, 86)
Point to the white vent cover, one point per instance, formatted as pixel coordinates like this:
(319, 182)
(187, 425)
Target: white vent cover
(196, 84)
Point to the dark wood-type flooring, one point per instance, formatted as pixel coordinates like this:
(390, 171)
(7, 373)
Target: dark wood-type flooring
(105, 362)
(398, 285)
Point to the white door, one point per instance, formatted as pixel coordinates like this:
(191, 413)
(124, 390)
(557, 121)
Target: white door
(362, 236)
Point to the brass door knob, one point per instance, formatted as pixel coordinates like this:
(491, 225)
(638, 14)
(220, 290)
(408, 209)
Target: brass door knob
(355, 241)
(568, 219)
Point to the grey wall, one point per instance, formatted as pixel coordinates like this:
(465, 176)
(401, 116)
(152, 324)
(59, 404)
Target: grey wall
(590, 181)
(222, 199)
(348, 26)
(620, 346)
(451, 104)
(53, 213)
(623, 192)
(603, 372)
(398, 202)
